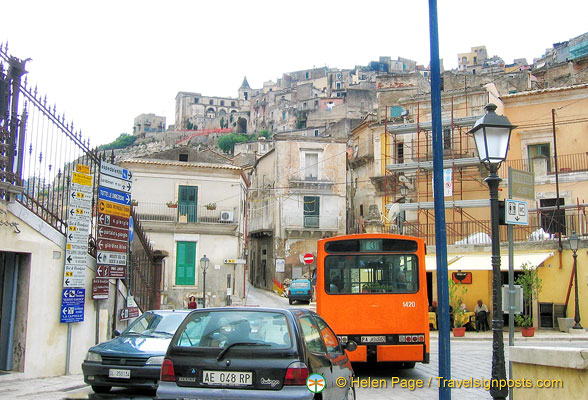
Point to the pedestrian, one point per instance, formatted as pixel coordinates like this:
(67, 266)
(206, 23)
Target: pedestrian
(192, 303)
(481, 311)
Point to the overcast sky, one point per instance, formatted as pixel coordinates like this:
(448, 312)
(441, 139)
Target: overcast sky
(105, 62)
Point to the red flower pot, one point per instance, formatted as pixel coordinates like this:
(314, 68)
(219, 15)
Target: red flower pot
(459, 332)
(528, 332)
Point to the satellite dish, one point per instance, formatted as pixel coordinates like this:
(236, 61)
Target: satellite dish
(393, 211)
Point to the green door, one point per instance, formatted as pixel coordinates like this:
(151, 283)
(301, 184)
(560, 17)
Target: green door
(187, 202)
(311, 211)
(186, 263)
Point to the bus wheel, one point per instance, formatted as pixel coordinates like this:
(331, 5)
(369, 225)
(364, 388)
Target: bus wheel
(410, 364)
(290, 301)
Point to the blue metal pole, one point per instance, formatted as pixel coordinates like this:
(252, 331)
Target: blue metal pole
(440, 228)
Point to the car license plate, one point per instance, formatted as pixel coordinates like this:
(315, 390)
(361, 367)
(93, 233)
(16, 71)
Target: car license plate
(227, 378)
(373, 339)
(119, 373)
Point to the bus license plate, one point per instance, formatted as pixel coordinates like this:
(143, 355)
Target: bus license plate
(373, 339)
(119, 373)
(227, 378)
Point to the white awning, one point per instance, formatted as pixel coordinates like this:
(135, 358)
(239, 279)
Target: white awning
(483, 262)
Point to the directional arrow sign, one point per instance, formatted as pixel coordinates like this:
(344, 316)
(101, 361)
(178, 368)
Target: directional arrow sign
(115, 183)
(517, 212)
(78, 225)
(116, 171)
(113, 233)
(114, 196)
(75, 213)
(81, 188)
(75, 259)
(75, 237)
(74, 276)
(112, 245)
(108, 207)
(111, 271)
(109, 258)
(80, 199)
(77, 247)
(113, 221)
(72, 305)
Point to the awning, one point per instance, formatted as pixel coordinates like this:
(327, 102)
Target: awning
(482, 262)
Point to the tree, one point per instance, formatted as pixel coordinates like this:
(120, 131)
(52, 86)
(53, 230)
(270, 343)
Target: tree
(124, 140)
(531, 285)
(227, 142)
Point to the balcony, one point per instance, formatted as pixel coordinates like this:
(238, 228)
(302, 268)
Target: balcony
(310, 224)
(311, 185)
(187, 214)
(546, 165)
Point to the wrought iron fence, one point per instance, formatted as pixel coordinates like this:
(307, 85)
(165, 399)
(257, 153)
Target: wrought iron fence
(565, 163)
(39, 151)
(184, 213)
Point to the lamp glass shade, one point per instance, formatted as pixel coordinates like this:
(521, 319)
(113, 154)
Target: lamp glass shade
(492, 143)
(574, 242)
(204, 262)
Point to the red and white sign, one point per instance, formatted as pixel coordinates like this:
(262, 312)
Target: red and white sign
(308, 258)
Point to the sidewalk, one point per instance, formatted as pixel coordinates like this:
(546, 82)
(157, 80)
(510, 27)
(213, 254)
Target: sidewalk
(15, 386)
(540, 334)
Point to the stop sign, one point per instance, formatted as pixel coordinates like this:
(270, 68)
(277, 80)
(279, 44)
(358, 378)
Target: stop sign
(308, 258)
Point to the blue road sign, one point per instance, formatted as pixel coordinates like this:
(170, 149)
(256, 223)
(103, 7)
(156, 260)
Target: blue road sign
(114, 196)
(72, 305)
(131, 229)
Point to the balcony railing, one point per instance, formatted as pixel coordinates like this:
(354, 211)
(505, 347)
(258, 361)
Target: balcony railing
(541, 228)
(565, 163)
(320, 222)
(181, 213)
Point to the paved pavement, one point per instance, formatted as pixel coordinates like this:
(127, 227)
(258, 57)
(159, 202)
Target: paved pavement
(470, 357)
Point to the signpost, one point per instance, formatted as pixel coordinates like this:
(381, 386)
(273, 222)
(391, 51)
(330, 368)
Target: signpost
(72, 305)
(128, 313)
(100, 288)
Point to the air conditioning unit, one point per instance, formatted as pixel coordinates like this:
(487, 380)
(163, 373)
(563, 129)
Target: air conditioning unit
(226, 216)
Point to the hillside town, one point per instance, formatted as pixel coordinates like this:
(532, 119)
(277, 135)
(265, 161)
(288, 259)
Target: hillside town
(238, 190)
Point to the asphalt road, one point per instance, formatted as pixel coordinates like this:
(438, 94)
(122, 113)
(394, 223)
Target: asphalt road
(469, 359)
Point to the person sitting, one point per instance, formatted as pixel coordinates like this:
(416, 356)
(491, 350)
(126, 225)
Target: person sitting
(433, 306)
(481, 311)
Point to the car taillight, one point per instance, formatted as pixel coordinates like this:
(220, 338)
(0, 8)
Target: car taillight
(296, 374)
(167, 371)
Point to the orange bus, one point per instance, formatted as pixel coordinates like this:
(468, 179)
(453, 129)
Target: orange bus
(372, 289)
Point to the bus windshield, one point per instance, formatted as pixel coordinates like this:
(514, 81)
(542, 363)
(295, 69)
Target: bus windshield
(371, 273)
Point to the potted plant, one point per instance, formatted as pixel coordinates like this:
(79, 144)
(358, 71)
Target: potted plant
(456, 293)
(210, 206)
(531, 285)
(172, 204)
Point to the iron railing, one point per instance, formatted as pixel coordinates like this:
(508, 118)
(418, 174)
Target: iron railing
(543, 226)
(565, 163)
(299, 221)
(182, 213)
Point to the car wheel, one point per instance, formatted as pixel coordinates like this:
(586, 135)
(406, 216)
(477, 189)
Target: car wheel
(101, 389)
(350, 394)
(290, 301)
(409, 364)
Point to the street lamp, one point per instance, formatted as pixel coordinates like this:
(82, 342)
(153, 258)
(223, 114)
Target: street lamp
(491, 134)
(574, 242)
(204, 265)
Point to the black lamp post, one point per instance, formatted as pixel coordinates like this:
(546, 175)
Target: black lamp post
(492, 134)
(574, 242)
(204, 265)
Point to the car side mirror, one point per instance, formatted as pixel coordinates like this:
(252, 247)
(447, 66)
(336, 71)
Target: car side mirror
(116, 333)
(350, 345)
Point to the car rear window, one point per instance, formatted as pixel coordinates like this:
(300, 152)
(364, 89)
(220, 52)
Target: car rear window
(218, 329)
(299, 285)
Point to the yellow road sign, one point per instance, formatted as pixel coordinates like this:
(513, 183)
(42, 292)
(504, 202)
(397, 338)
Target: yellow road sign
(84, 169)
(82, 179)
(108, 207)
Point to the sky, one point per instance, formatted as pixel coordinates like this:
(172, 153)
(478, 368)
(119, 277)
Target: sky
(105, 62)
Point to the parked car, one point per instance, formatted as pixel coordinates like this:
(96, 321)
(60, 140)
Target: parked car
(261, 353)
(300, 289)
(134, 357)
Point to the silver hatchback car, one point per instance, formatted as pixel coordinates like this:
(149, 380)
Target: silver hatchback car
(261, 353)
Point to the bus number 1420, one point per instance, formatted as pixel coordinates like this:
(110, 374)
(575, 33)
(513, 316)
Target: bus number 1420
(409, 304)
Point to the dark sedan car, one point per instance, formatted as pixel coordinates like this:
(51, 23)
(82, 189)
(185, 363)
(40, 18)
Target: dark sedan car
(261, 353)
(133, 359)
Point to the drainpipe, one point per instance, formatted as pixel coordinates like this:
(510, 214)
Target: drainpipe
(560, 247)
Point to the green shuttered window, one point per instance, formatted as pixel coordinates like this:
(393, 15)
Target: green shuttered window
(186, 263)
